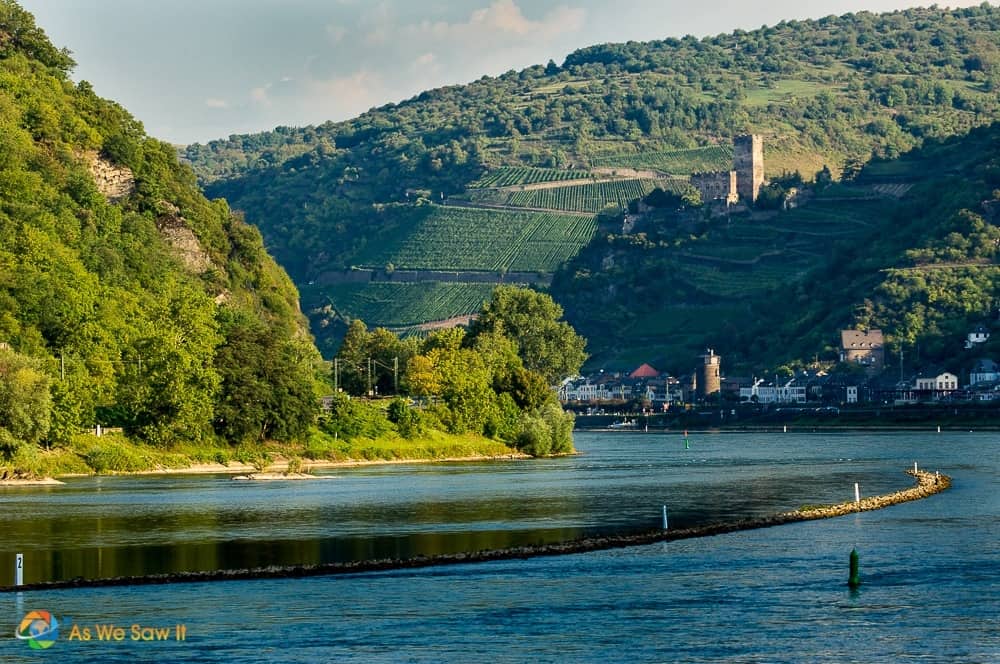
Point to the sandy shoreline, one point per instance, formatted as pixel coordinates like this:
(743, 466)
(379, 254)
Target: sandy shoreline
(44, 481)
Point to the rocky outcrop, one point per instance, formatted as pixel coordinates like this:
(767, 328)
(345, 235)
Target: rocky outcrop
(174, 229)
(114, 182)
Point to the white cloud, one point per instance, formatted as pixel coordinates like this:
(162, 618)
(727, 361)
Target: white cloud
(336, 33)
(260, 95)
(344, 95)
(500, 22)
(212, 102)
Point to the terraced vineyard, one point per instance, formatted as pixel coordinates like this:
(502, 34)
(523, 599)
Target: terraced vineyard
(507, 177)
(737, 284)
(460, 238)
(592, 197)
(675, 162)
(821, 219)
(398, 304)
(588, 197)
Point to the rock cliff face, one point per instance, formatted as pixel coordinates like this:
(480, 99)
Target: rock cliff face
(114, 182)
(182, 239)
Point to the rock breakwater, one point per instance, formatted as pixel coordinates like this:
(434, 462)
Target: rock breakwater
(927, 484)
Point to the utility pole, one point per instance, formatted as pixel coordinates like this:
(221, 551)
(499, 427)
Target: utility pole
(395, 375)
(336, 375)
(62, 367)
(370, 392)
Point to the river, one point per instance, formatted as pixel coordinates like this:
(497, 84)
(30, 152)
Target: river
(931, 569)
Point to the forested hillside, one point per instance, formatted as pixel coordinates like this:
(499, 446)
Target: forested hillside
(610, 123)
(126, 298)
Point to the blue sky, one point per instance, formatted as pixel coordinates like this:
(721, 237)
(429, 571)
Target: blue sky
(194, 70)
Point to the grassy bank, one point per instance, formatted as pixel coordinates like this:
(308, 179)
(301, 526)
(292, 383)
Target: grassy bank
(114, 453)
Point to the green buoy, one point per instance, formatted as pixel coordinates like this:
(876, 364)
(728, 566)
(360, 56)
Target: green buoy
(855, 579)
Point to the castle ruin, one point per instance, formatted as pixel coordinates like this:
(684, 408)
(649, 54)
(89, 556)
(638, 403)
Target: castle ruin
(720, 185)
(743, 183)
(748, 162)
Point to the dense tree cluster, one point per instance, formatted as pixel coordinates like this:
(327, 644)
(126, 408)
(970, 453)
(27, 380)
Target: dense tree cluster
(493, 380)
(101, 319)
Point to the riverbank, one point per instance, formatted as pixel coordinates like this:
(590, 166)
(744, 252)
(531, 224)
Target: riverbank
(278, 470)
(927, 484)
(114, 454)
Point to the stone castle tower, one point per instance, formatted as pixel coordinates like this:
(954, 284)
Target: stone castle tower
(710, 380)
(748, 162)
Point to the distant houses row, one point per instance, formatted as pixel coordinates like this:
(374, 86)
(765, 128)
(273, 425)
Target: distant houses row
(860, 348)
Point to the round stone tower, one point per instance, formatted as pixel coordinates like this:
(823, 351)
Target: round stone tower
(710, 380)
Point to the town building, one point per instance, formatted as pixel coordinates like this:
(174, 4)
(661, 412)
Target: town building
(863, 347)
(774, 392)
(933, 384)
(980, 335)
(984, 371)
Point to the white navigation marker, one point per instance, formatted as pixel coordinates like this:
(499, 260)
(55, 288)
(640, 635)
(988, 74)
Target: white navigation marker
(19, 570)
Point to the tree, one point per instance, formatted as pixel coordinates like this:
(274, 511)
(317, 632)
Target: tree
(267, 387)
(25, 402)
(532, 320)
(352, 359)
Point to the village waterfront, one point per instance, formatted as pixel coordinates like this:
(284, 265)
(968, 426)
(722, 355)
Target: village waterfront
(775, 594)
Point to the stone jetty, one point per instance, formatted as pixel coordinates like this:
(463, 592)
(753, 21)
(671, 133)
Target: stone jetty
(927, 484)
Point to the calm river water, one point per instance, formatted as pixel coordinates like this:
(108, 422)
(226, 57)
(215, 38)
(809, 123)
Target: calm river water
(931, 569)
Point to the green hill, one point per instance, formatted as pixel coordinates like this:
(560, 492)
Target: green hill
(775, 288)
(126, 298)
(837, 91)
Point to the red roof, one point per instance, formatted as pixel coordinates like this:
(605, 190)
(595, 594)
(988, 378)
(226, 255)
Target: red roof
(644, 371)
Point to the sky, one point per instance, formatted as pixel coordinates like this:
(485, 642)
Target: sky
(195, 70)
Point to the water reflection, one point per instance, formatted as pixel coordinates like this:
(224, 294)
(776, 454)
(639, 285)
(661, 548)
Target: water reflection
(103, 527)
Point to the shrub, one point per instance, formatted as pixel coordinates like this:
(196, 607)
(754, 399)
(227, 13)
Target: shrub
(546, 431)
(114, 456)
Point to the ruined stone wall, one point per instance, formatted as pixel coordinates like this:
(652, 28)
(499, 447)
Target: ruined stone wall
(720, 185)
(748, 161)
